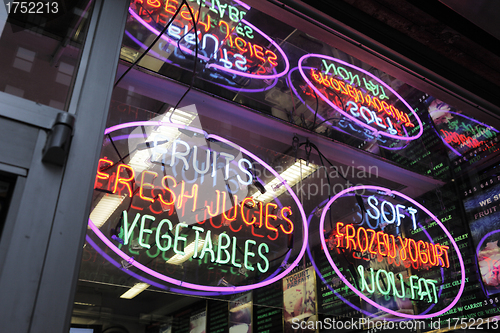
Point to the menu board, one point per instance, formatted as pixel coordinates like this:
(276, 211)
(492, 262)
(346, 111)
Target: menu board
(329, 303)
(181, 321)
(268, 308)
(191, 320)
(481, 195)
(450, 212)
(218, 317)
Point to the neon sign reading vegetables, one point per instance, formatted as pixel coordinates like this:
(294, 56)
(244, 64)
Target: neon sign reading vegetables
(388, 247)
(226, 40)
(175, 218)
(360, 96)
(263, 217)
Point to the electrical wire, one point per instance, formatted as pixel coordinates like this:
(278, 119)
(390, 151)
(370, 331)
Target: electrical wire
(316, 112)
(152, 44)
(195, 55)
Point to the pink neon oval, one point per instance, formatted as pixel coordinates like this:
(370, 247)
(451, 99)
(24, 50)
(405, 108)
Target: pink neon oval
(194, 286)
(219, 67)
(354, 289)
(357, 121)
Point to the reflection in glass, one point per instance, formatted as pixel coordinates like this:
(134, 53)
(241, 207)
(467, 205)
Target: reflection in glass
(40, 51)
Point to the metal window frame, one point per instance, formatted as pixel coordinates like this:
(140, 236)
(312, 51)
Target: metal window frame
(40, 265)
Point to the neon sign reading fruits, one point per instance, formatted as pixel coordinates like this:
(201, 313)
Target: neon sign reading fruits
(227, 42)
(186, 203)
(360, 96)
(389, 252)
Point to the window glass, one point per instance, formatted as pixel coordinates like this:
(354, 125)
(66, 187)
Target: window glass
(255, 178)
(40, 48)
(257, 61)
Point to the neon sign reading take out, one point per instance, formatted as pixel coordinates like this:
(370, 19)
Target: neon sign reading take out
(385, 251)
(360, 96)
(227, 42)
(184, 197)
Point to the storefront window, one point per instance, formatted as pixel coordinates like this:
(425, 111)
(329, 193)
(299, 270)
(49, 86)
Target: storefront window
(40, 48)
(253, 178)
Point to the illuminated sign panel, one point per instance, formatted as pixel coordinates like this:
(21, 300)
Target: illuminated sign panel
(361, 97)
(181, 199)
(460, 133)
(387, 256)
(227, 42)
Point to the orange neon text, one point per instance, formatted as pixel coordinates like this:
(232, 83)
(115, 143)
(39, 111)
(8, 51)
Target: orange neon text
(236, 35)
(359, 97)
(460, 139)
(265, 220)
(370, 242)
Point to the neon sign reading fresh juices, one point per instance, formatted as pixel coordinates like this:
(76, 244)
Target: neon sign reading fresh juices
(382, 255)
(225, 38)
(190, 203)
(177, 195)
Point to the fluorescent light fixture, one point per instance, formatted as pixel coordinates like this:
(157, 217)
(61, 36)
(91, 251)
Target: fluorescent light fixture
(188, 253)
(141, 159)
(241, 307)
(292, 175)
(135, 290)
(105, 207)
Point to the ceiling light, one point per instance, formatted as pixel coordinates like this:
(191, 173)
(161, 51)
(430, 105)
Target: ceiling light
(292, 175)
(104, 208)
(188, 253)
(135, 290)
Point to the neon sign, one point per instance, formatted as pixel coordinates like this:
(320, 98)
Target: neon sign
(459, 132)
(366, 244)
(488, 262)
(216, 228)
(367, 241)
(351, 91)
(329, 117)
(228, 43)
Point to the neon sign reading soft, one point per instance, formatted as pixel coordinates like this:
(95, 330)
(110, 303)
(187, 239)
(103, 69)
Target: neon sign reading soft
(226, 40)
(381, 245)
(366, 104)
(267, 222)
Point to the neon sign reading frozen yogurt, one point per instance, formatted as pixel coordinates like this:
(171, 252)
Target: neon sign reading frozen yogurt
(381, 253)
